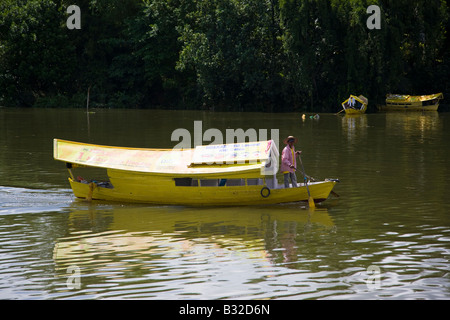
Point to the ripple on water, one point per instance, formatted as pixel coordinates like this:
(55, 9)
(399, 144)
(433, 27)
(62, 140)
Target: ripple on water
(15, 200)
(279, 257)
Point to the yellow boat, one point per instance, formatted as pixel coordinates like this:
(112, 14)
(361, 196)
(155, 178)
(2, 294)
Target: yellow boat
(211, 175)
(396, 102)
(355, 105)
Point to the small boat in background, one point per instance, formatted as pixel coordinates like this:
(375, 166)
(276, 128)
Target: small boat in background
(396, 102)
(355, 105)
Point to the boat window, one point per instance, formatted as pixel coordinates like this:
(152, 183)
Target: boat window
(235, 182)
(255, 182)
(189, 182)
(186, 182)
(429, 102)
(209, 182)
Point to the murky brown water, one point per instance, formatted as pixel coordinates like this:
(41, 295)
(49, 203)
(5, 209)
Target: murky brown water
(392, 217)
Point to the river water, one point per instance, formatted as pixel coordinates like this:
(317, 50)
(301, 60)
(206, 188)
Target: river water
(387, 235)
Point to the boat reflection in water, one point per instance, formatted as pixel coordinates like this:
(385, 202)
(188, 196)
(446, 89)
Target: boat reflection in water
(355, 126)
(414, 124)
(114, 243)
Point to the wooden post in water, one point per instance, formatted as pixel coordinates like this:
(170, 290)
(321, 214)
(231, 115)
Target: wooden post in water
(87, 112)
(87, 99)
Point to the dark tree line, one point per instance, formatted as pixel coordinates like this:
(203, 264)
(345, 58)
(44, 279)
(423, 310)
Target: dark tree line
(250, 55)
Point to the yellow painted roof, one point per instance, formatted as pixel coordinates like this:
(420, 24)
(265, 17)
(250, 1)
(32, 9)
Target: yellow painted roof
(408, 98)
(201, 160)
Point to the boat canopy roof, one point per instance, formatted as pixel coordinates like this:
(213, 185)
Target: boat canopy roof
(409, 98)
(259, 155)
(361, 99)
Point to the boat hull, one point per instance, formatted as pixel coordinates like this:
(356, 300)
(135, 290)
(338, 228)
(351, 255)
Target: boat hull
(353, 111)
(408, 107)
(163, 193)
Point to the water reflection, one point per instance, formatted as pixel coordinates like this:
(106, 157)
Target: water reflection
(135, 228)
(354, 126)
(414, 125)
(393, 213)
(157, 247)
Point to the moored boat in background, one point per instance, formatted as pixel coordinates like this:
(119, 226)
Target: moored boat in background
(397, 102)
(355, 105)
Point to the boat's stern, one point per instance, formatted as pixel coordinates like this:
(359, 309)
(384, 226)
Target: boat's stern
(92, 190)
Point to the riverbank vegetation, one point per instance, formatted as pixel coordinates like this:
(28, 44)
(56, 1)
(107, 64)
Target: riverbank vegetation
(237, 55)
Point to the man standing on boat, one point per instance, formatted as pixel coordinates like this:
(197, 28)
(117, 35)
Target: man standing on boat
(288, 161)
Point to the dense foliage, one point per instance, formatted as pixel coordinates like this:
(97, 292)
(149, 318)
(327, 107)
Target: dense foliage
(251, 55)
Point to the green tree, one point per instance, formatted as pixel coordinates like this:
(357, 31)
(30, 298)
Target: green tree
(105, 61)
(258, 55)
(312, 48)
(36, 58)
(233, 48)
(331, 49)
(422, 43)
(153, 35)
